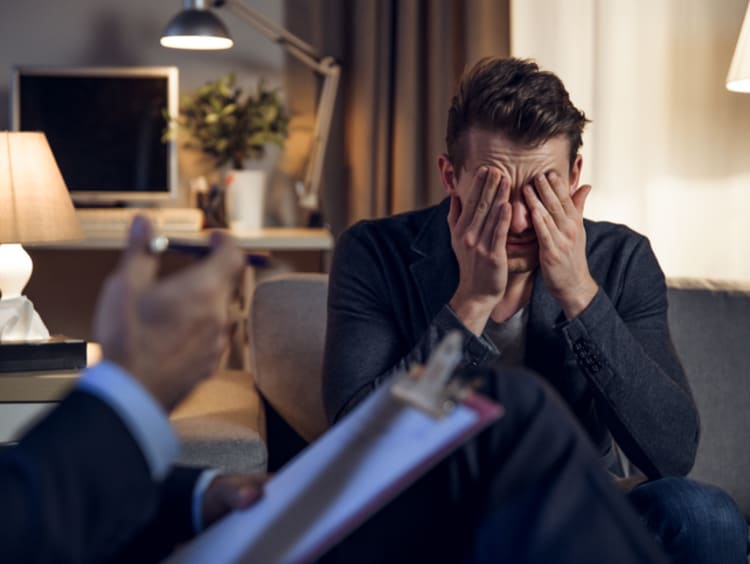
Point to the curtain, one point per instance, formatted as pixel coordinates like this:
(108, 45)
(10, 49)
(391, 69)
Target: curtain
(667, 151)
(401, 61)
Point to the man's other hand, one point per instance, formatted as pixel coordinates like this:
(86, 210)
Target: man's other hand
(170, 333)
(558, 221)
(230, 492)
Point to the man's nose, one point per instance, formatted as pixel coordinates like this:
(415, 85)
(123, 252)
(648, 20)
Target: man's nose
(520, 219)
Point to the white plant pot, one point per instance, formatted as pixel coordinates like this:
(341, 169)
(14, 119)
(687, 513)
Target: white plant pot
(245, 192)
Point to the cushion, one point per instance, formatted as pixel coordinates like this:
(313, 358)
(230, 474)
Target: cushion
(710, 326)
(220, 424)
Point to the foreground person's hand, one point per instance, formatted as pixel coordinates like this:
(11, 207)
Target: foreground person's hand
(230, 492)
(170, 333)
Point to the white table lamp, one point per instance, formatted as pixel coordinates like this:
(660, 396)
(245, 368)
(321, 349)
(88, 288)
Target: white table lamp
(738, 79)
(35, 206)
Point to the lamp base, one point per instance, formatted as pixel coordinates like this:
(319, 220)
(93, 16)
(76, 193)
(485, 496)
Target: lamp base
(15, 270)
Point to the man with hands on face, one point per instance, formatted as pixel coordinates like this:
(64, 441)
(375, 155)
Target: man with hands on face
(530, 283)
(94, 481)
(503, 233)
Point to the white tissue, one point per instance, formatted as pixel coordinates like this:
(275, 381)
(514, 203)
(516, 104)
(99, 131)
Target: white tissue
(19, 321)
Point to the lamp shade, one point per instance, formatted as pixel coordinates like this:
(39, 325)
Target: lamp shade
(35, 205)
(738, 79)
(196, 28)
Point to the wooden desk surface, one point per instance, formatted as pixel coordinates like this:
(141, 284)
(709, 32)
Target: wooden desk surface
(68, 275)
(266, 239)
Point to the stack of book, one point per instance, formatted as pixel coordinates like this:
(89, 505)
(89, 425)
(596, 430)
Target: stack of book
(56, 353)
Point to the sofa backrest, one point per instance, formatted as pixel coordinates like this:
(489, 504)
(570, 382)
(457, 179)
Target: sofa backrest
(287, 332)
(710, 326)
(709, 322)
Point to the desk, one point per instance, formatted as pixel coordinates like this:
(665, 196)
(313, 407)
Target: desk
(68, 276)
(266, 239)
(25, 396)
(219, 423)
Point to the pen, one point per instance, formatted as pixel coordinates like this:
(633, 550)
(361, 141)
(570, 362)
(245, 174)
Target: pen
(160, 244)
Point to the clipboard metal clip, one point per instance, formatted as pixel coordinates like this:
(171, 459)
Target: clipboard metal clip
(429, 388)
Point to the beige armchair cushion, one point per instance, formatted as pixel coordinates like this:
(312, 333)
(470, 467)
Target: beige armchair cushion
(287, 332)
(220, 424)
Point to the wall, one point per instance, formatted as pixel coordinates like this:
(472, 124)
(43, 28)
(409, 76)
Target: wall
(117, 32)
(109, 33)
(667, 151)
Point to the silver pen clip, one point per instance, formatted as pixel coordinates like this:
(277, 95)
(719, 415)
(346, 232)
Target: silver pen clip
(431, 389)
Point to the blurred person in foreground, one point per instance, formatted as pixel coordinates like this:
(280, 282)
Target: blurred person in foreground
(94, 480)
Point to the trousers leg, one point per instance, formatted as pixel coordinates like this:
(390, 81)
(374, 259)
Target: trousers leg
(530, 488)
(695, 523)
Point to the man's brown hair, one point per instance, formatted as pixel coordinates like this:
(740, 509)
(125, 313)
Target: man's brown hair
(517, 99)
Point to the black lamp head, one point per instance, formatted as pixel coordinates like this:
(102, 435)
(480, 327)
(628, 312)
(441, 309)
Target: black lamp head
(196, 27)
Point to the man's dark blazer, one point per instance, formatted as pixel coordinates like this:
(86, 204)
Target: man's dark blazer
(391, 281)
(77, 489)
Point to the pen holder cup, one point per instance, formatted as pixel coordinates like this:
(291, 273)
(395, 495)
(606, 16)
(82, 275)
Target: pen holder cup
(211, 203)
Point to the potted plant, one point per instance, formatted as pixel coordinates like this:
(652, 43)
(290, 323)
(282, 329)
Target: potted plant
(233, 129)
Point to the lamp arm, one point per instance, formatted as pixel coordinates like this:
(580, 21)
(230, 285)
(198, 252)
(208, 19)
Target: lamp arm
(309, 194)
(270, 30)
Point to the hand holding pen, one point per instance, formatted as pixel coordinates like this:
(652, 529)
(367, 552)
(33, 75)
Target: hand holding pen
(160, 244)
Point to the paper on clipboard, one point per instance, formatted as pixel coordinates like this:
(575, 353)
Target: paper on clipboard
(335, 484)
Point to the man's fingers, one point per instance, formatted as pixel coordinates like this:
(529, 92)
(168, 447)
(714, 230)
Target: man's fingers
(541, 220)
(215, 276)
(469, 205)
(487, 235)
(230, 492)
(500, 237)
(246, 496)
(550, 198)
(540, 216)
(486, 199)
(226, 257)
(532, 199)
(240, 491)
(138, 264)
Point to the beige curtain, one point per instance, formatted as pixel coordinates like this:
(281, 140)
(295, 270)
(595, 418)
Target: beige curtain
(667, 150)
(401, 61)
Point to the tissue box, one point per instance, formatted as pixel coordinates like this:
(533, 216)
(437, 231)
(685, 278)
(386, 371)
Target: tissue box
(56, 353)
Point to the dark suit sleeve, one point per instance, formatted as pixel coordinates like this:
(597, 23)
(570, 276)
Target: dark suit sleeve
(76, 487)
(623, 346)
(365, 338)
(172, 524)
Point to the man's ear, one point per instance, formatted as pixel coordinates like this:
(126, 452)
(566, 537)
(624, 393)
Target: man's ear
(447, 174)
(575, 173)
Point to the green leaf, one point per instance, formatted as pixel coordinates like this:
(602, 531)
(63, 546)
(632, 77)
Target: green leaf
(227, 125)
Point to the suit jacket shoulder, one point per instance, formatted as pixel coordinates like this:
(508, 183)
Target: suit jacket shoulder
(75, 488)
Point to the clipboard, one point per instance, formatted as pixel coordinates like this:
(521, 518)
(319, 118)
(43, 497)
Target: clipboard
(395, 436)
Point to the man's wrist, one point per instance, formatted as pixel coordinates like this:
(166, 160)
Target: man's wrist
(576, 302)
(473, 313)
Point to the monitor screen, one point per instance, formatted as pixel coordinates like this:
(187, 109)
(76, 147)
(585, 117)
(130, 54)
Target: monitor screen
(104, 126)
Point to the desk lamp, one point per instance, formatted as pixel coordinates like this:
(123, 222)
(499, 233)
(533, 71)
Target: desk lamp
(197, 27)
(35, 207)
(738, 79)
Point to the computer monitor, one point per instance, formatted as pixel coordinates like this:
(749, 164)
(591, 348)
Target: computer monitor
(104, 125)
